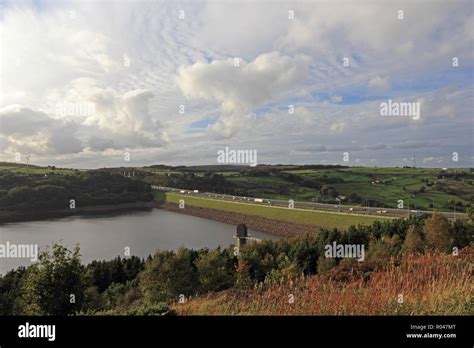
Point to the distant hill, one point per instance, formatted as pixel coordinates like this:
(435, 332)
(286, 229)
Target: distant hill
(15, 165)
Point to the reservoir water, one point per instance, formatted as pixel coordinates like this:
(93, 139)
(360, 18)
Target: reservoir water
(105, 237)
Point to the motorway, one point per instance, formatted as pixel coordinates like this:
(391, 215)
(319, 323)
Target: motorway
(322, 207)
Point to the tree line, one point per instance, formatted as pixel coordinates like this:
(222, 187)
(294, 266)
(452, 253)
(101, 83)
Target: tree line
(26, 192)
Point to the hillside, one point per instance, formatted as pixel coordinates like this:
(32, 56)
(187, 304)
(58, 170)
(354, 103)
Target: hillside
(418, 188)
(37, 195)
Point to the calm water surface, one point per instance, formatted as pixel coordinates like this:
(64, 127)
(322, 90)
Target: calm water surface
(105, 237)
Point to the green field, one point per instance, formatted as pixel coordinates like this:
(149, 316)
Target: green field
(402, 183)
(419, 188)
(325, 220)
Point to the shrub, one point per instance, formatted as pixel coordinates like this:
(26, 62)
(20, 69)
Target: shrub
(168, 275)
(213, 272)
(325, 264)
(52, 281)
(437, 233)
(413, 242)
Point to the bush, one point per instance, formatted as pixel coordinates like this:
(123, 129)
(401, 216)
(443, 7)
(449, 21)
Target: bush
(413, 242)
(437, 233)
(53, 281)
(168, 275)
(385, 247)
(140, 310)
(213, 272)
(325, 264)
(243, 276)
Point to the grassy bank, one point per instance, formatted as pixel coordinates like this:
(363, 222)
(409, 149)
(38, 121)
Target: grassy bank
(325, 220)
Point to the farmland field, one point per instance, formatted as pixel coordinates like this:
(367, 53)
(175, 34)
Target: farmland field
(418, 188)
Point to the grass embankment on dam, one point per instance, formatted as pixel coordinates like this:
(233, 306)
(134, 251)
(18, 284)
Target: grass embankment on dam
(320, 219)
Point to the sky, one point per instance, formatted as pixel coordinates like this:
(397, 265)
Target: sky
(90, 84)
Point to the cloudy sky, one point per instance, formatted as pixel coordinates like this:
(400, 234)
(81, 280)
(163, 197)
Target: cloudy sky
(83, 83)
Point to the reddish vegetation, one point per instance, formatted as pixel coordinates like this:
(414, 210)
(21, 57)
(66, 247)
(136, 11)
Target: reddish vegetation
(430, 284)
(256, 223)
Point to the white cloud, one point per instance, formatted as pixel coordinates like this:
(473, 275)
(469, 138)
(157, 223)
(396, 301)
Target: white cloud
(30, 131)
(126, 117)
(240, 89)
(50, 58)
(337, 127)
(378, 83)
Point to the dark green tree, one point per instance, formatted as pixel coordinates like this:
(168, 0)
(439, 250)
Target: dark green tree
(54, 285)
(169, 275)
(214, 274)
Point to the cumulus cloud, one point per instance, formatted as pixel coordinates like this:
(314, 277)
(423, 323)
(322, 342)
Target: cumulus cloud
(337, 127)
(51, 58)
(118, 121)
(19, 120)
(126, 118)
(378, 83)
(240, 89)
(29, 131)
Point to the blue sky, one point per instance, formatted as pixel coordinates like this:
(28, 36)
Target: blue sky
(138, 64)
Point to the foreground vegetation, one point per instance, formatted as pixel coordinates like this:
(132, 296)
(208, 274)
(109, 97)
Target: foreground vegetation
(427, 260)
(413, 284)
